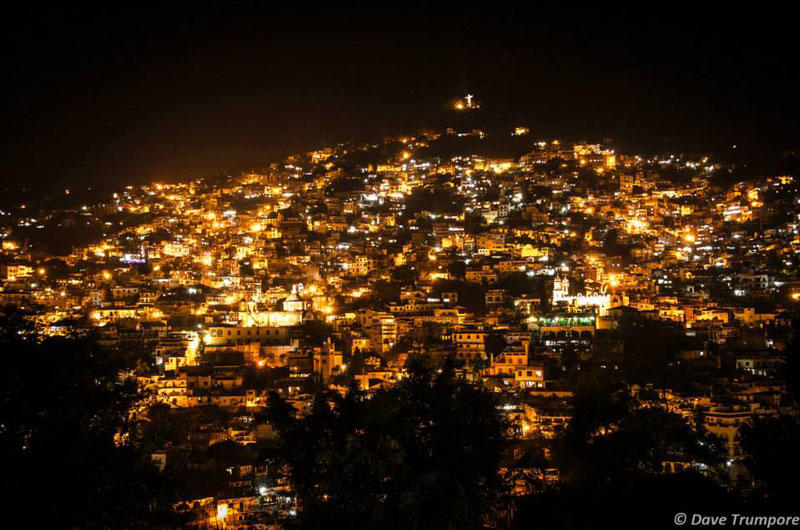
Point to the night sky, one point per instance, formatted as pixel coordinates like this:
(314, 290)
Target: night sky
(132, 95)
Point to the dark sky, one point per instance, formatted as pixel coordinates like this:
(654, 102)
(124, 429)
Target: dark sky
(122, 95)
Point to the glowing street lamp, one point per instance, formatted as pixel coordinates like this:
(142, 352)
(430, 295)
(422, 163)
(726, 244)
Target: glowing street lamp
(222, 512)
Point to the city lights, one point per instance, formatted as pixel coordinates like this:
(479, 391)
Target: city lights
(471, 324)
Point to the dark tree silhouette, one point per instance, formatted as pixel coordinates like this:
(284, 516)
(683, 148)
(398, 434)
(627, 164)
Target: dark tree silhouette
(650, 350)
(495, 343)
(384, 291)
(457, 269)
(424, 454)
(612, 436)
(771, 457)
(315, 332)
(791, 369)
(65, 435)
(611, 457)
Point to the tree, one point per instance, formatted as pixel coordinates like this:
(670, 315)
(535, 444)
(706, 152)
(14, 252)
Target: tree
(315, 332)
(654, 499)
(495, 343)
(422, 454)
(438, 199)
(791, 370)
(611, 458)
(405, 275)
(612, 436)
(612, 245)
(771, 457)
(650, 350)
(457, 269)
(65, 441)
(470, 295)
(384, 291)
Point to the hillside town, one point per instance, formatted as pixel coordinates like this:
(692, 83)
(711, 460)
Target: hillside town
(341, 268)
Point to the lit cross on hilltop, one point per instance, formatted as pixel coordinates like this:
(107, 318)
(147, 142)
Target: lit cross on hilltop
(467, 103)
